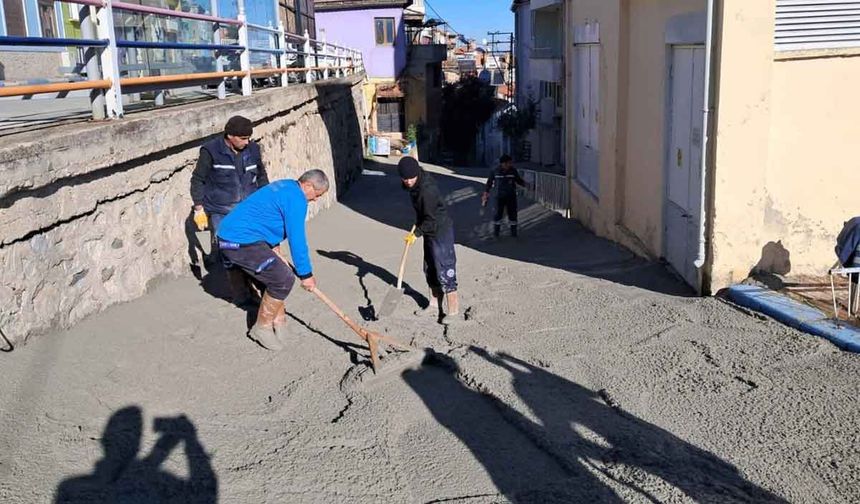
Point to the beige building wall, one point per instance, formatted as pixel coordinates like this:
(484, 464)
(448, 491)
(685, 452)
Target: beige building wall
(786, 169)
(633, 79)
(646, 117)
(599, 214)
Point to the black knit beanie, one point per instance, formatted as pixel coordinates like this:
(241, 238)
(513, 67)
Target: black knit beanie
(239, 126)
(408, 168)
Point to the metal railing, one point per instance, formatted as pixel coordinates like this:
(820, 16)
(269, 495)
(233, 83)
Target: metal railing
(290, 54)
(548, 189)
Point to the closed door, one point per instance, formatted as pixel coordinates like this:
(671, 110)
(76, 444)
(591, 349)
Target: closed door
(684, 160)
(587, 119)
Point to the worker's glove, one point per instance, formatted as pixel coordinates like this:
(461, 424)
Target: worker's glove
(410, 238)
(484, 198)
(201, 219)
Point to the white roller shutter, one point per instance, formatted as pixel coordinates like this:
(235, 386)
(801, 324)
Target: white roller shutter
(817, 24)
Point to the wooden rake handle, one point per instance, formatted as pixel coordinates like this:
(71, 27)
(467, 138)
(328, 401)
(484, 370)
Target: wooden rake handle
(370, 337)
(403, 261)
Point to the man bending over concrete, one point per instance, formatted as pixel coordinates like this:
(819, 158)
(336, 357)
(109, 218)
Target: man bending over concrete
(250, 237)
(432, 222)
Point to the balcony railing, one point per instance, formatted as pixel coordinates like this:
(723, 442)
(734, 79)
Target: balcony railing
(289, 55)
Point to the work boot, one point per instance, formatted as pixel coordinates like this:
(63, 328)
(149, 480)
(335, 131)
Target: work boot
(263, 331)
(282, 331)
(239, 289)
(497, 229)
(434, 307)
(514, 230)
(453, 308)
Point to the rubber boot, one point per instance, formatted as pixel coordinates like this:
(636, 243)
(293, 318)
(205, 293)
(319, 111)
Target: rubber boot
(282, 331)
(453, 313)
(263, 331)
(514, 230)
(435, 306)
(497, 229)
(239, 288)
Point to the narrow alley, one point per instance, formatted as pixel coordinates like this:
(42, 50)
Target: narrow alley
(581, 373)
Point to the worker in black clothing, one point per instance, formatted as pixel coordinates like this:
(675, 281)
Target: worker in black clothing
(229, 169)
(505, 178)
(435, 225)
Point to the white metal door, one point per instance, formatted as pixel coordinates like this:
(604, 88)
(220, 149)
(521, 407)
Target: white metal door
(684, 160)
(586, 107)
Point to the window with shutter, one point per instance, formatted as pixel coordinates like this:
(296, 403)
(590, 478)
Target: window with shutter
(817, 24)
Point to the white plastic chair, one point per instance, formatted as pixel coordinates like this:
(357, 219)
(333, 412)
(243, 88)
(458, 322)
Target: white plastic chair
(853, 297)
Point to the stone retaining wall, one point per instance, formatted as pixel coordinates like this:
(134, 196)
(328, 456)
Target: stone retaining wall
(91, 214)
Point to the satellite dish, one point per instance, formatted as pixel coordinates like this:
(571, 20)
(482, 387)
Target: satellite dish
(484, 42)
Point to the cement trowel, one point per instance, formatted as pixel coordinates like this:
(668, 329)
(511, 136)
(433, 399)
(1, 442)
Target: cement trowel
(395, 293)
(204, 238)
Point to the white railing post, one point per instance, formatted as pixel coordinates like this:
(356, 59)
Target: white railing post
(219, 61)
(245, 57)
(325, 62)
(307, 54)
(282, 42)
(338, 71)
(87, 22)
(110, 61)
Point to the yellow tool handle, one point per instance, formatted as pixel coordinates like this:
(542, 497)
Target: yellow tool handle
(403, 261)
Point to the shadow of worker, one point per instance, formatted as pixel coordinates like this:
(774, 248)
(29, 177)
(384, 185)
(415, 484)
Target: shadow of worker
(121, 477)
(579, 427)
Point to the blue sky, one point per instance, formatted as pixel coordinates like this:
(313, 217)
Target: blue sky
(474, 18)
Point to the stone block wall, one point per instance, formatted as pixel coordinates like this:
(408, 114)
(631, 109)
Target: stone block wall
(90, 214)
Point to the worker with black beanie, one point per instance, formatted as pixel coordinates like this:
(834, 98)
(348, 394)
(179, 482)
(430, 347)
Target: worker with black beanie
(433, 223)
(229, 169)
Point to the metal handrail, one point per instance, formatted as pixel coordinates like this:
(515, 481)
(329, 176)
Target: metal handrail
(172, 13)
(59, 87)
(177, 45)
(51, 42)
(321, 58)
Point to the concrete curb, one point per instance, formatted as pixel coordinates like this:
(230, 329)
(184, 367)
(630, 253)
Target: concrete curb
(796, 314)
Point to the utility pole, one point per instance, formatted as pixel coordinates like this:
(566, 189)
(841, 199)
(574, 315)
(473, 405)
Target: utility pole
(504, 38)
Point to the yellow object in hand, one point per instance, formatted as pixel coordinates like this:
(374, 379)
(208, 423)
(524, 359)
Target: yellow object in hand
(201, 219)
(410, 238)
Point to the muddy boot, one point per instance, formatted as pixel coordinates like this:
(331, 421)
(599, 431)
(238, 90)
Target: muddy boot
(453, 314)
(282, 330)
(263, 331)
(497, 229)
(514, 230)
(434, 307)
(239, 289)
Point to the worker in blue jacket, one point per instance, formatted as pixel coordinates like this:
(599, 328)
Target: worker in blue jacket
(250, 237)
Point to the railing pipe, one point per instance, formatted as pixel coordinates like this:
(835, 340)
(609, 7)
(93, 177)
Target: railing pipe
(139, 44)
(94, 73)
(60, 87)
(51, 42)
(173, 13)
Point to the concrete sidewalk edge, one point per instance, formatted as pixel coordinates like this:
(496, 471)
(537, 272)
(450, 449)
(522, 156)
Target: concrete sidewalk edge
(797, 315)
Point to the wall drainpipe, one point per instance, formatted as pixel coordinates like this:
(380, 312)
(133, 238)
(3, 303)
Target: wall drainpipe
(707, 130)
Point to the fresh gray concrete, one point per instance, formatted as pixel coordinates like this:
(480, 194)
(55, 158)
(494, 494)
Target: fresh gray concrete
(583, 374)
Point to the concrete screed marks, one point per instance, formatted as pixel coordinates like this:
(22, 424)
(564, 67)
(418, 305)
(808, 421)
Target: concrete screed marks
(583, 374)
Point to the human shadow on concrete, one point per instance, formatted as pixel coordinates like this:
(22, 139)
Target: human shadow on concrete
(120, 476)
(363, 268)
(575, 445)
(546, 238)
